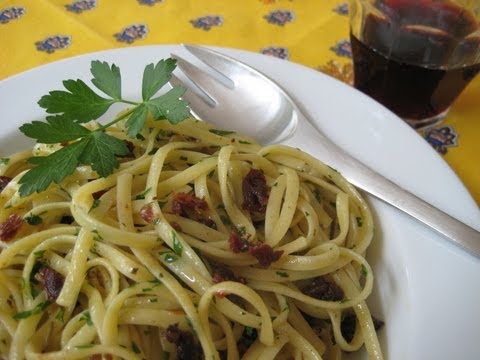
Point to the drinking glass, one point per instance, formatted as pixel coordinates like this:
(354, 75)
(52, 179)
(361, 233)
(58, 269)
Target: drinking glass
(415, 56)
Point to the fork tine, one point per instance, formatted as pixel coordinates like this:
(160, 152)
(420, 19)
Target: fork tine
(204, 81)
(219, 62)
(198, 106)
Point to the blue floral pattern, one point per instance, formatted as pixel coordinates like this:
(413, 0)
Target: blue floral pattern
(80, 6)
(207, 22)
(131, 33)
(280, 17)
(276, 51)
(342, 9)
(52, 43)
(13, 13)
(149, 2)
(342, 48)
(441, 138)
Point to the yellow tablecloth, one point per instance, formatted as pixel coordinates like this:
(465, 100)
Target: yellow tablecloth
(310, 32)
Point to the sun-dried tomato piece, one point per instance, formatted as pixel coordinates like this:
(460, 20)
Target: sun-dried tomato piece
(98, 194)
(187, 346)
(188, 205)
(130, 147)
(264, 254)
(323, 289)
(210, 223)
(237, 243)
(176, 226)
(67, 219)
(51, 280)
(248, 337)
(101, 357)
(4, 180)
(10, 227)
(348, 325)
(222, 273)
(147, 213)
(377, 323)
(173, 333)
(255, 191)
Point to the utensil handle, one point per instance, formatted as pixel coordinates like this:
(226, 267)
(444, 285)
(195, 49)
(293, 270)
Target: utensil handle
(375, 184)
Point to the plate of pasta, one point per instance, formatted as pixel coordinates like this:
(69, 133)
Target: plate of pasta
(139, 233)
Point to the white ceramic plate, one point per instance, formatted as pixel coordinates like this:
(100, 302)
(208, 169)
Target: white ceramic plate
(427, 291)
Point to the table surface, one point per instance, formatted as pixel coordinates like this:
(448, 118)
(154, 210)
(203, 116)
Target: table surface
(310, 32)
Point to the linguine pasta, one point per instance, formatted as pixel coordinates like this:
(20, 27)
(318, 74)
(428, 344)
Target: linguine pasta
(203, 244)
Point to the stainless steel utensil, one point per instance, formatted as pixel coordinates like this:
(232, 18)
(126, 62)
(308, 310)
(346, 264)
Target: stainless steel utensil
(239, 97)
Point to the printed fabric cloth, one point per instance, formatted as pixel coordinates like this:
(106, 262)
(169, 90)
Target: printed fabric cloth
(311, 32)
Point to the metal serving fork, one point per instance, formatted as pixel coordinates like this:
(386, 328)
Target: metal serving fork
(251, 98)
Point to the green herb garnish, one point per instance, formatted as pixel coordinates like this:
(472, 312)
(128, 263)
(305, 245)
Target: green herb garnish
(170, 258)
(221, 132)
(135, 348)
(39, 254)
(155, 282)
(242, 231)
(143, 194)
(225, 219)
(190, 324)
(95, 204)
(363, 270)
(36, 310)
(250, 331)
(79, 104)
(87, 318)
(60, 314)
(161, 203)
(359, 221)
(177, 245)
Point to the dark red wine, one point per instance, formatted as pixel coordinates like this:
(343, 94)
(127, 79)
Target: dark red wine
(418, 57)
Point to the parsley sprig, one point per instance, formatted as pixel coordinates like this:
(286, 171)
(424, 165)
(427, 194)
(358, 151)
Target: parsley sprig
(79, 104)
